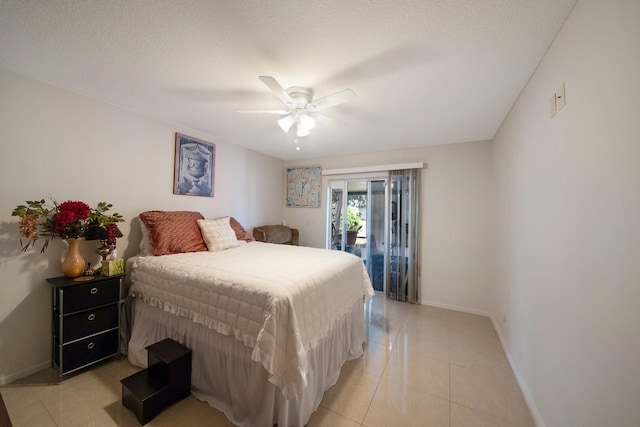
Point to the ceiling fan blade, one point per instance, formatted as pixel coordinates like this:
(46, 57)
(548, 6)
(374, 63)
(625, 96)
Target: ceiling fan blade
(337, 98)
(280, 112)
(326, 120)
(278, 90)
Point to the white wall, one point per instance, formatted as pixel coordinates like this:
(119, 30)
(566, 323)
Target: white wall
(455, 219)
(567, 216)
(57, 143)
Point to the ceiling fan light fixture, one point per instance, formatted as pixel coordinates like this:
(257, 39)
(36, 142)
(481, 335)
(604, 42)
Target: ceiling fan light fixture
(285, 123)
(302, 131)
(305, 124)
(307, 121)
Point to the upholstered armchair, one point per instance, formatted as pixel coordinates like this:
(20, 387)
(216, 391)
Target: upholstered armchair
(276, 234)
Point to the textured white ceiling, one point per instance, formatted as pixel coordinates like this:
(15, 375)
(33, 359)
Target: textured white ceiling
(425, 71)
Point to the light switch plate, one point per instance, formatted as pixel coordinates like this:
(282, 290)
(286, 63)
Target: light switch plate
(561, 101)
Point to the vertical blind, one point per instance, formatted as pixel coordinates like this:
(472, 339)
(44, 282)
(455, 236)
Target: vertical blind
(402, 274)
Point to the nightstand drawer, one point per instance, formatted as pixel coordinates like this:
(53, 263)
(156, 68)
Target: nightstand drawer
(91, 349)
(88, 322)
(89, 295)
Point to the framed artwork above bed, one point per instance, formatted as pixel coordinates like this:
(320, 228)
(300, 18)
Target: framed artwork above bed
(303, 187)
(194, 166)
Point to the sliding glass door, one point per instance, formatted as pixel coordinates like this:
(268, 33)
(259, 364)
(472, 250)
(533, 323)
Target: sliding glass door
(376, 219)
(357, 221)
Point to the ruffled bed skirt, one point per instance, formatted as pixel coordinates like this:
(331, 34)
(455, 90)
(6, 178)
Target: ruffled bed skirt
(224, 375)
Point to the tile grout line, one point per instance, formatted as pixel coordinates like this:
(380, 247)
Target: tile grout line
(48, 412)
(386, 365)
(449, 365)
(449, 357)
(450, 405)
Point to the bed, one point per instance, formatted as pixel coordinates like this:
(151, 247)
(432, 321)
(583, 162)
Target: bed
(270, 325)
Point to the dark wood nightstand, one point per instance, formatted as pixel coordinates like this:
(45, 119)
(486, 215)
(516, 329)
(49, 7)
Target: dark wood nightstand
(85, 324)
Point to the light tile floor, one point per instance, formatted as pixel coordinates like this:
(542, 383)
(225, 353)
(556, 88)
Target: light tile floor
(423, 366)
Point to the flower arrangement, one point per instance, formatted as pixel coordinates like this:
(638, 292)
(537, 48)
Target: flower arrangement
(67, 220)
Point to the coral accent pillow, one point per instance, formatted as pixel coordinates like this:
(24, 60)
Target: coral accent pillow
(218, 234)
(173, 232)
(241, 233)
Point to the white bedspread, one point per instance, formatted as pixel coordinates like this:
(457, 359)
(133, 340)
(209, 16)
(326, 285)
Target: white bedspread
(277, 299)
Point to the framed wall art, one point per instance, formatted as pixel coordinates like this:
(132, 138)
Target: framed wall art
(303, 187)
(194, 167)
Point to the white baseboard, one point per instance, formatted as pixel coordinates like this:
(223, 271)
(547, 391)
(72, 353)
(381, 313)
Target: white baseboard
(528, 398)
(456, 308)
(24, 373)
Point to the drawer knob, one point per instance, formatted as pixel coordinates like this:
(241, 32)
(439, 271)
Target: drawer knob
(91, 316)
(91, 345)
(94, 291)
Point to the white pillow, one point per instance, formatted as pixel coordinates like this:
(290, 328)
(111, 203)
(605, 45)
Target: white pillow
(218, 234)
(145, 244)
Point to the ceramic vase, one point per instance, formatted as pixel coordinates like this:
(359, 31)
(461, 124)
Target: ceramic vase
(73, 264)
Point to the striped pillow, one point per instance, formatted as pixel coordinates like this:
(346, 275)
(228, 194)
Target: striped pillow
(218, 234)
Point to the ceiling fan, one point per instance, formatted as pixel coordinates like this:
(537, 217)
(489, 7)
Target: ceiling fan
(302, 109)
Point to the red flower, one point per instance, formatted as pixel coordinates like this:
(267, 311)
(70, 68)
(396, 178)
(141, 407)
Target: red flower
(80, 210)
(64, 218)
